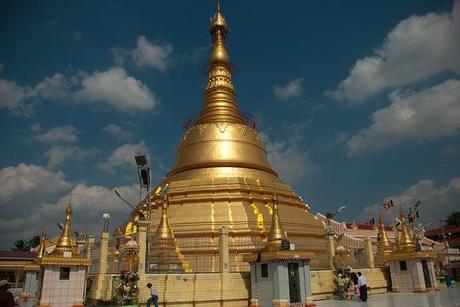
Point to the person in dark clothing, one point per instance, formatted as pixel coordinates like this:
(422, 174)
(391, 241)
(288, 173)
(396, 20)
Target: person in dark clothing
(362, 283)
(6, 298)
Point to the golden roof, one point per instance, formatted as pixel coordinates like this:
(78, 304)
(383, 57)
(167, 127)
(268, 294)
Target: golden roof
(220, 144)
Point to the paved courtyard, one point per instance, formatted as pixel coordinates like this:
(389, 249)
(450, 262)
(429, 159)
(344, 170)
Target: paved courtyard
(444, 298)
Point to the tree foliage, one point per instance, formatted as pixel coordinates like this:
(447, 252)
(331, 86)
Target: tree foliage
(453, 219)
(22, 245)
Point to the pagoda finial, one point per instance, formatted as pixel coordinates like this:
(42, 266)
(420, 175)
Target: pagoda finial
(219, 96)
(384, 245)
(406, 243)
(41, 248)
(276, 235)
(164, 231)
(65, 242)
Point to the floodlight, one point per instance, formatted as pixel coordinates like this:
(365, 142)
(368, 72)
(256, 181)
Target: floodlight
(141, 160)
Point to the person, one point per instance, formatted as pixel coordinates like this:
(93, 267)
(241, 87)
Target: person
(448, 280)
(6, 298)
(153, 296)
(354, 278)
(362, 283)
(341, 287)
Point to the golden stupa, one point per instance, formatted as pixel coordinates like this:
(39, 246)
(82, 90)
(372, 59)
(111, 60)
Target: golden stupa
(222, 177)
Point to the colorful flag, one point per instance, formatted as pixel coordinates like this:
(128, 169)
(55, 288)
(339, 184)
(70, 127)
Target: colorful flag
(371, 222)
(388, 205)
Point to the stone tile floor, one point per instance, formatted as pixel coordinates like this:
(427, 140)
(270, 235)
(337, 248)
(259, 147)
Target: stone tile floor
(444, 298)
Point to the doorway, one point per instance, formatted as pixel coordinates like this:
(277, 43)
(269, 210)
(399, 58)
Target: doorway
(294, 283)
(426, 273)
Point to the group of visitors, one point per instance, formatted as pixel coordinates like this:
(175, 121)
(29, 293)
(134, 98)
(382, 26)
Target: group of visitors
(351, 286)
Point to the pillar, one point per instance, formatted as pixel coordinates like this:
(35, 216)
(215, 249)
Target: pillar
(141, 239)
(103, 256)
(331, 247)
(369, 252)
(223, 250)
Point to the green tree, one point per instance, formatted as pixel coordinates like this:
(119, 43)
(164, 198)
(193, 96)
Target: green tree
(21, 245)
(453, 219)
(34, 242)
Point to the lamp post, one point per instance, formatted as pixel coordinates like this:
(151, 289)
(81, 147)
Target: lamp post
(143, 170)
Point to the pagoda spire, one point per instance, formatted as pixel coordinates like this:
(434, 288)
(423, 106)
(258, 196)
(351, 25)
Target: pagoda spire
(276, 235)
(65, 242)
(384, 246)
(164, 255)
(219, 96)
(41, 248)
(406, 243)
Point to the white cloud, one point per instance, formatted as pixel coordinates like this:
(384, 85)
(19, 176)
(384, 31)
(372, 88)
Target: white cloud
(115, 88)
(123, 156)
(88, 205)
(147, 54)
(150, 54)
(14, 97)
(436, 201)
(29, 181)
(112, 87)
(287, 157)
(118, 131)
(420, 116)
(67, 134)
(417, 48)
(58, 154)
(293, 89)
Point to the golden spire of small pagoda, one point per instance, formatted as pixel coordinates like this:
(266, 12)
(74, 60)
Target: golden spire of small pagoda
(164, 232)
(406, 243)
(65, 242)
(164, 254)
(219, 96)
(41, 247)
(276, 235)
(384, 245)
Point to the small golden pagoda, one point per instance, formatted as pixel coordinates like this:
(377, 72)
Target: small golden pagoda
(279, 286)
(163, 254)
(411, 270)
(384, 246)
(65, 251)
(222, 177)
(63, 264)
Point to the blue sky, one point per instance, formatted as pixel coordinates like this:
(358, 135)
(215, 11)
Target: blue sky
(357, 102)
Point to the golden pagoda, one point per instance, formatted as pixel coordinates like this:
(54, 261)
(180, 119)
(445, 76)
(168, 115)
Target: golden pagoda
(384, 246)
(406, 242)
(222, 177)
(163, 255)
(65, 252)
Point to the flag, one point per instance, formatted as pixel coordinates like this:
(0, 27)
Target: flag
(410, 215)
(371, 222)
(388, 205)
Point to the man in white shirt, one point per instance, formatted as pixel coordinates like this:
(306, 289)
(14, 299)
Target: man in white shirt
(153, 296)
(362, 283)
